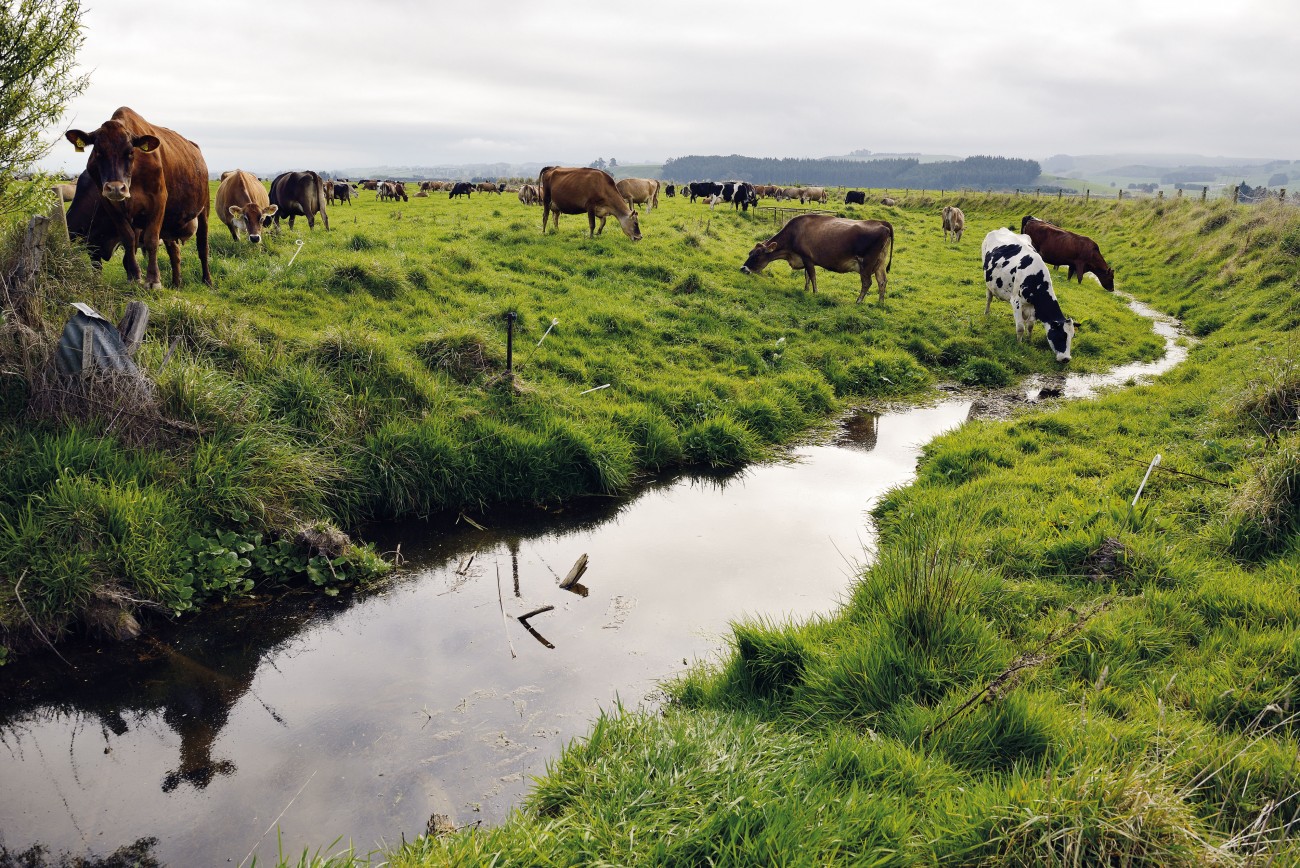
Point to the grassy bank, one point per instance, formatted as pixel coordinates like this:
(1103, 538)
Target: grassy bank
(1032, 672)
(336, 377)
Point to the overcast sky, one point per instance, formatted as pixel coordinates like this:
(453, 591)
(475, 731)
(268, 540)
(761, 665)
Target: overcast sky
(283, 84)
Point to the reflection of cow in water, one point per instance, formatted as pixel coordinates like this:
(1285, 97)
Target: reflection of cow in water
(198, 702)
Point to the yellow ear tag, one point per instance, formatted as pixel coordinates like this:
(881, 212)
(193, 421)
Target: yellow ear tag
(80, 146)
(145, 149)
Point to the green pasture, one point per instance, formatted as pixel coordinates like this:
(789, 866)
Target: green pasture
(359, 373)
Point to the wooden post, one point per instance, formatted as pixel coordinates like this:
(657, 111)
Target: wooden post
(1205, 191)
(59, 217)
(132, 326)
(1087, 195)
(1281, 196)
(1060, 193)
(1121, 194)
(1236, 192)
(510, 342)
(1160, 194)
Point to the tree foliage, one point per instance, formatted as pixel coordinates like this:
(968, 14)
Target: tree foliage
(975, 172)
(39, 40)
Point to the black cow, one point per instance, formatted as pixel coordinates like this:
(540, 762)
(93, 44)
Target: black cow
(299, 194)
(670, 191)
(855, 197)
(461, 188)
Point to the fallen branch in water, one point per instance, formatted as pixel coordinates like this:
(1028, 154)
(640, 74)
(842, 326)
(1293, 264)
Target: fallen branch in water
(579, 567)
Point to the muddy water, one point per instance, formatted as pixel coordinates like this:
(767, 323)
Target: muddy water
(363, 719)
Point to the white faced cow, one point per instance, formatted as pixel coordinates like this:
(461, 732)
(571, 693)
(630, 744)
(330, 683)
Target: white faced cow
(1014, 272)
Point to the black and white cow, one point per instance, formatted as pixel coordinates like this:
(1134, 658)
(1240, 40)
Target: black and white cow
(703, 189)
(742, 195)
(1014, 272)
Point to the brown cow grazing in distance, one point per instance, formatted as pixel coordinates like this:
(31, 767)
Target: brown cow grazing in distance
(586, 191)
(1059, 246)
(834, 243)
(528, 195)
(242, 203)
(640, 191)
(299, 194)
(153, 186)
(954, 223)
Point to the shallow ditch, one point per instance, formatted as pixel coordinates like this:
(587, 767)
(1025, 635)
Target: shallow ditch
(365, 718)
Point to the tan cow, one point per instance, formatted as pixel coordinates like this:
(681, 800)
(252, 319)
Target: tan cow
(640, 191)
(954, 223)
(242, 203)
(528, 195)
(586, 191)
(65, 191)
(813, 194)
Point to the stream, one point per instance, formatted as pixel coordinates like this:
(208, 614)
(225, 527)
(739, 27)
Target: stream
(288, 723)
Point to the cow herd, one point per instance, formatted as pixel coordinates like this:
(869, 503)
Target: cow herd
(144, 184)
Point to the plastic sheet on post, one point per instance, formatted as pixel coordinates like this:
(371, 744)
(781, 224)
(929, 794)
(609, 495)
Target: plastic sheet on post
(91, 342)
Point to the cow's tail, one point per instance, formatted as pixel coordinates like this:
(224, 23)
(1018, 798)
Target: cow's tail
(891, 247)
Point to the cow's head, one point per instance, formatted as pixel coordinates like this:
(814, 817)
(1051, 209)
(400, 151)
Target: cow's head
(630, 224)
(1060, 335)
(113, 156)
(763, 253)
(251, 218)
(1106, 276)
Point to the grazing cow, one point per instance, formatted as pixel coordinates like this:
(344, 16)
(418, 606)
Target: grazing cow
(299, 194)
(640, 191)
(742, 196)
(65, 191)
(490, 187)
(1060, 246)
(855, 197)
(1014, 272)
(834, 243)
(393, 190)
(153, 186)
(888, 202)
(813, 194)
(528, 194)
(369, 184)
(461, 188)
(586, 191)
(670, 191)
(243, 203)
(782, 193)
(954, 223)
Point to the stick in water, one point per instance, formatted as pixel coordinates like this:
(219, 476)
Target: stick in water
(505, 624)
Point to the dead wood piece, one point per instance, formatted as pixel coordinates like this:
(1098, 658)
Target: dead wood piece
(523, 619)
(579, 567)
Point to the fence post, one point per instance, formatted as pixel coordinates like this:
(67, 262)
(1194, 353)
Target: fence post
(1205, 191)
(510, 318)
(1160, 194)
(1121, 194)
(1178, 194)
(1087, 195)
(1060, 193)
(1236, 192)
(1281, 196)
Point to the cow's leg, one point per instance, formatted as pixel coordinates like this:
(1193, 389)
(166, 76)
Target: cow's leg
(174, 257)
(882, 277)
(152, 279)
(201, 241)
(325, 218)
(809, 276)
(988, 302)
(546, 212)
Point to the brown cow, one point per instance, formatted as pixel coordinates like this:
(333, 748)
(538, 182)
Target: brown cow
(65, 191)
(834, 243)
(954, 223)
(640, 191)
(1059, 246)
(813, 194)
(153, 185)
(528, 194)
(586, 191)
(242, 203)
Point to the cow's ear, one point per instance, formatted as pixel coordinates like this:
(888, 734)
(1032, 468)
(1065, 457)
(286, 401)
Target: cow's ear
(80, 140)
(769, 246)
(145, 143)
(270, 210)
(235, 211)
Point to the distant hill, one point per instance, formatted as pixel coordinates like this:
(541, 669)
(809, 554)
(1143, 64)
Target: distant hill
(1122, 170)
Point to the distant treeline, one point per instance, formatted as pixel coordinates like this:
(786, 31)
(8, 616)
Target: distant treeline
(978, 172)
